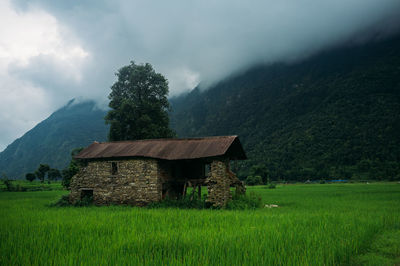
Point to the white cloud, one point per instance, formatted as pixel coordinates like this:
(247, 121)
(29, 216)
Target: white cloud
(29, 41)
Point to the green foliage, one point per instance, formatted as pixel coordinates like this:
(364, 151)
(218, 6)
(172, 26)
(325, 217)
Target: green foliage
(7, 182)
(64, 202)
(86, 201)
(139, 104)
(238, 202)
(253, 180)
(30, 177)
(184, 203)
(72, 169)
(25, 185)
(260, 170)
(250, 201)
(9, 186)
(40, 173)
(53, 174)
(333, 116)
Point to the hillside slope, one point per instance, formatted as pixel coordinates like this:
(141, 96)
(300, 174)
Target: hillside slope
(51, 141)
(336, 115)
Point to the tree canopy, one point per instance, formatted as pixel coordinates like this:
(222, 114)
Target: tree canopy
(41, 171)
(139, 104)
(72, 169)
(30, 177)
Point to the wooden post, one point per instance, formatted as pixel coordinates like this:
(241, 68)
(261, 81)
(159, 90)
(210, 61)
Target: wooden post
(193, 191)
(199, 192)
(184, 190)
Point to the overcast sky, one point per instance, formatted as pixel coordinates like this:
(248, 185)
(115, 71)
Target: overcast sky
(52, 51)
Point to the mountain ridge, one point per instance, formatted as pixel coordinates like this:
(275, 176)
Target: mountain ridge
(51, 140)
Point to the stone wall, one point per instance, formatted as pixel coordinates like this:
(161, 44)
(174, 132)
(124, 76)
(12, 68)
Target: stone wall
(218, 183)
(220, 179)
(141, 181)
(136, 182)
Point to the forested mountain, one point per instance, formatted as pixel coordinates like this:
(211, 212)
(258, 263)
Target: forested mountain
(52, 140)
(335, 115)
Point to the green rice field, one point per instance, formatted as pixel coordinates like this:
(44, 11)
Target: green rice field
(318, 224)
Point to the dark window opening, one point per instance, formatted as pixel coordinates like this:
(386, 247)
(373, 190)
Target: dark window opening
(114, 168)
(87, 195)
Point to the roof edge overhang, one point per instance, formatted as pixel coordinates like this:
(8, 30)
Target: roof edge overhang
(158, 158)
(231, 148)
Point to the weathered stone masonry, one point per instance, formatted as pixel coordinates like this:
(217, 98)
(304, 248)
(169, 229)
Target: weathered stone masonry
(218, 183)
(135, 183)
(140, 181)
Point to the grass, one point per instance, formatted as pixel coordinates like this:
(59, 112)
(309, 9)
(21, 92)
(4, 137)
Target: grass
(329, 224)
(384, 250)
(34, 185)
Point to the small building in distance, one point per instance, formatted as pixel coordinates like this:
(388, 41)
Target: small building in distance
(144, 171)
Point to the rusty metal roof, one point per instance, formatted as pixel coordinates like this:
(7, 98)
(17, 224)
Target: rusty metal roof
(167, 149)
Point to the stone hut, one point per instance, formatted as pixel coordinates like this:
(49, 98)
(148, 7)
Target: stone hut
(144, 171)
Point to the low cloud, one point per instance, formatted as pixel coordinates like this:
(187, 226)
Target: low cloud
(83, 43)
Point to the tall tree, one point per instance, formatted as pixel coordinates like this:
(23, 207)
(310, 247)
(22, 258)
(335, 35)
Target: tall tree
(139, 104)
(30, 177)
(53, 174)
(41, 171)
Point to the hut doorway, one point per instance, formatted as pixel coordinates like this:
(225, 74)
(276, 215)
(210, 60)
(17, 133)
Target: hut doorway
(87, 195)
(183, 177)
